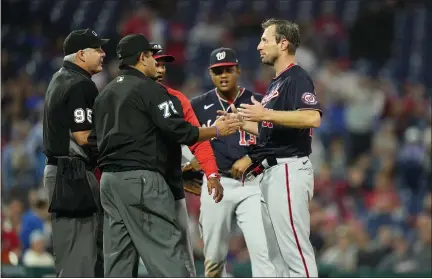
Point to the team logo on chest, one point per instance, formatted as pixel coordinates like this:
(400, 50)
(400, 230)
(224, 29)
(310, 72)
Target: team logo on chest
(273, 94)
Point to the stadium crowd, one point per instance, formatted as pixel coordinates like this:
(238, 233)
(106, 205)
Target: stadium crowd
(372, 156)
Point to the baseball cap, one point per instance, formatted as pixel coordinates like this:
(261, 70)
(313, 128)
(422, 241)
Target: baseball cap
(160, 56)
(82, 39)
(131, 45)
(223, 57)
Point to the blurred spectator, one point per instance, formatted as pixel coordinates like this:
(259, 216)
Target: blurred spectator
(400, 260)
(18, 163)
(343, 254)
(383, 242)
(34, 219)
(37, 256)
(411, 158)
(366, 256)
(139, 22)
(364, 105)
(209, 31)
(423, 246)
(331, 33)
(10, 242)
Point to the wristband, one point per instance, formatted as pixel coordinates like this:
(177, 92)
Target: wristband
(214, 175)
(217, 131)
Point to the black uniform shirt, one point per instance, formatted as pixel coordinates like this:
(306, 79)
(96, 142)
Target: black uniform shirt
(136, 123)
(292, 90)
(68, 108)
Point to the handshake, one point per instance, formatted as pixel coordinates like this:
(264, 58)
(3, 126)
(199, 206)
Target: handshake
(228, 123)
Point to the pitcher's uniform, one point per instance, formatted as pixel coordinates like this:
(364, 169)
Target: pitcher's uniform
(287, 183)
(240, 202)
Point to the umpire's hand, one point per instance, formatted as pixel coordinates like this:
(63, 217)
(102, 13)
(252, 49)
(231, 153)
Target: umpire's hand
(227, 126)
(213, 184)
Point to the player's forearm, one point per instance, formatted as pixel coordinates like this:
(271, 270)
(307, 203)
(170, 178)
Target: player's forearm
(251, 127)
(206, 133)
(296, 119)
(205, 157)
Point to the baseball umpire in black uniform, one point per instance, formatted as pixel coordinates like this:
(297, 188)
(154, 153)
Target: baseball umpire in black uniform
(137, 123)
(68, 177)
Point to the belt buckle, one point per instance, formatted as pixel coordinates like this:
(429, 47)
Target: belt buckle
(252, 172)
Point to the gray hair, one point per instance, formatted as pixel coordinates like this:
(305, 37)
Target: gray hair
(71, 57)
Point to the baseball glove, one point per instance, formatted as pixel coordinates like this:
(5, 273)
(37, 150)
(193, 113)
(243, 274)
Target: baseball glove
(192, 186)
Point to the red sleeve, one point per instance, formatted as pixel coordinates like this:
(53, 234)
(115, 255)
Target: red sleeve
(201, 150)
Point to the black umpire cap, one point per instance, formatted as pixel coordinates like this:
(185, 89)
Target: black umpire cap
(223, 57)
(131, 46)
(82, 39)
(159, 56)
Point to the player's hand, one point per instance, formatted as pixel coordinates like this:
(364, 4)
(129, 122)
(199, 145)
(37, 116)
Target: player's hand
(231, 115)
(240, 166)
(192, 165)
(227, 126)
(214, 185)
(255, 112)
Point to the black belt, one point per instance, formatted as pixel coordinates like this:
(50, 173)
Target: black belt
(258, 167)
(53, 161)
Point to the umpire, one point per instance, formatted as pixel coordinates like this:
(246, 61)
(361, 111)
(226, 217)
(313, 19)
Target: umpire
(68, 177)
(137, 123)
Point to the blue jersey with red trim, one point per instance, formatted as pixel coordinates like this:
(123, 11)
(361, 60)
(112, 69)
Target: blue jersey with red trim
(229, 149)
(291, 90)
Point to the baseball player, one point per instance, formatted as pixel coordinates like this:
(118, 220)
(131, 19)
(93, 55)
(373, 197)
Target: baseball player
(201, 150)
(284, 120)
(239, 202)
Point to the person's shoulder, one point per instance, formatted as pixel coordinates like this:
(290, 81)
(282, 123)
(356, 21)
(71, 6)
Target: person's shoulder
(175, 93)
(298, 73)
(154, 86)
(251, 93)
(202, 98)
(83, 85)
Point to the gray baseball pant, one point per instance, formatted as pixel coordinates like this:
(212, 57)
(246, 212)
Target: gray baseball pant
(183, 221)
(140, 221)
(243, 204)
(74, 239)
(287, 189)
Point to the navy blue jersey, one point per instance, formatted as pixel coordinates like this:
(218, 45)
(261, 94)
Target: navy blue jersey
(292, 90)
(229, 149)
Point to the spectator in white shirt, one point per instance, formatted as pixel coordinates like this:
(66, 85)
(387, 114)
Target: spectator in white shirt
(37, 256)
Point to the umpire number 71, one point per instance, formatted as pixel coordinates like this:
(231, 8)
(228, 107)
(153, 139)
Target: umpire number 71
(165, 107)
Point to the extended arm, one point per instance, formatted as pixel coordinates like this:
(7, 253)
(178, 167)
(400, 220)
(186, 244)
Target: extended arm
(306, 118)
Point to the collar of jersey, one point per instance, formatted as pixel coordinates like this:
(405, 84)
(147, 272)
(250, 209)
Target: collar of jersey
(132, 72)
(242, 89)
(74, 67)
(284, 71)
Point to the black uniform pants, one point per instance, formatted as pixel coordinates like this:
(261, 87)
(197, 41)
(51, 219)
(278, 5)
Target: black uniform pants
(140, 221)
(77, 242)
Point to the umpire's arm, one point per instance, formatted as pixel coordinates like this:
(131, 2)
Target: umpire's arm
(167, 118)
(80, 102)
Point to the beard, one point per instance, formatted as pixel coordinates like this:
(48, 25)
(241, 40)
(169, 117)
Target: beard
(270, 60)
